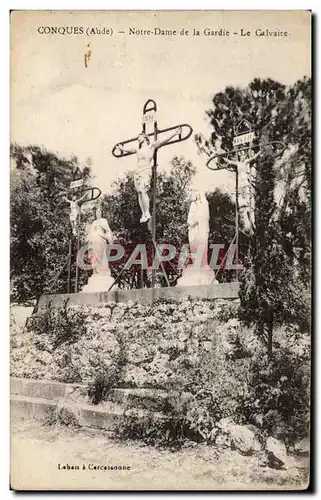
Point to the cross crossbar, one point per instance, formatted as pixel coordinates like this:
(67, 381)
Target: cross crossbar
(224, 154)
(95, 193)
(185, 134)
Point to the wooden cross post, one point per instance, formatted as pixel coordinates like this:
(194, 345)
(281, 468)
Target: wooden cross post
(150, 118)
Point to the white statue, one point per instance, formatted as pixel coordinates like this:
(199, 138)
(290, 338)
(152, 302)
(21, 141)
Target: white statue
(199, 273)
(142, 177)
(198, 223)
(98, 235)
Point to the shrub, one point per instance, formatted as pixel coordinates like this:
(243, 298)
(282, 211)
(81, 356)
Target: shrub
(233, 377)
(279, 397)
(169, 432)
(53, 327)
(104, 372)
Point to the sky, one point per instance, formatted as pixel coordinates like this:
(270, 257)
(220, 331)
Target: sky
(58, 103)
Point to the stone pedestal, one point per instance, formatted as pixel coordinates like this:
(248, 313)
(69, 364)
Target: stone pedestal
(98, 283)
(197, 276)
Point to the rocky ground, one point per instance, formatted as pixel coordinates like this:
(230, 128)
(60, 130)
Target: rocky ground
(37, 451)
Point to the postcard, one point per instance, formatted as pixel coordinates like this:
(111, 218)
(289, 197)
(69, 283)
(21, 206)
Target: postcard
(160, 201)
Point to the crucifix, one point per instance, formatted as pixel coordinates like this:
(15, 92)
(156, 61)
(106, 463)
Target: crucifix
(243, 155)
(150, 140)
(78, 195)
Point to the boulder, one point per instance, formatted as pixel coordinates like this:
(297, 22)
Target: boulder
(244, 440)
(241, 437)
(276, 453)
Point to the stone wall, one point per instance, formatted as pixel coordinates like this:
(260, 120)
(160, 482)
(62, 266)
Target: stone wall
(153, 343)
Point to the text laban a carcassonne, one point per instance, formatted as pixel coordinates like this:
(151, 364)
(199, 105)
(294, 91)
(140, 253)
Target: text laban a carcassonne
(92, 467)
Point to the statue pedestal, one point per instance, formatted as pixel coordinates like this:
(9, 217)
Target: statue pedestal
(197, 276)
(98, 283)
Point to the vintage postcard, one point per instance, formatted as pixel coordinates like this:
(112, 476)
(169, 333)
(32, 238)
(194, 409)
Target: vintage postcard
(160, 177)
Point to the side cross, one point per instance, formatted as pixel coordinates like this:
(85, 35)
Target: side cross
(77, 195)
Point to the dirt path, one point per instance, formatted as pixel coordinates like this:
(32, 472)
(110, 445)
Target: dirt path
(37, 451)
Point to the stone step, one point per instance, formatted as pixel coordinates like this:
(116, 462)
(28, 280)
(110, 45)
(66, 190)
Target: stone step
(142, 398)
(28, 408)
(105, 417)
(45, 389)
(24, 408)
(53, 401)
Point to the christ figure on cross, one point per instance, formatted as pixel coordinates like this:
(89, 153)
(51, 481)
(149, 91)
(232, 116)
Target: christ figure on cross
(243, 164)
(74, 211)
(143, 173)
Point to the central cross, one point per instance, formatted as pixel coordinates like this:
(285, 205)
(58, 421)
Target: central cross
(146, 146)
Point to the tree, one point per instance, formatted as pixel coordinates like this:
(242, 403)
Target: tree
(278, 113)
(39, 236)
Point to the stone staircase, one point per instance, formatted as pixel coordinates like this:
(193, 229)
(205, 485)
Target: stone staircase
(50, 401)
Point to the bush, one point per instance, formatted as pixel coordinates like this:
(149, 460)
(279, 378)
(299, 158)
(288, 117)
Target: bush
(233, 377)
(53, 327)
(169, 432)
(279, 397)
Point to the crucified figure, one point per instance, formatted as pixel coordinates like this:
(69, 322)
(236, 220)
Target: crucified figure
(243, 165)
(74, 211)
(243, 161)
(143, 173)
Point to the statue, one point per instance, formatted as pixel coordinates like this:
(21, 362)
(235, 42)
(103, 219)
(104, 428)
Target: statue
(198, 223)
(198, 231)
(143, 173)
(74, 211)
(98, 235)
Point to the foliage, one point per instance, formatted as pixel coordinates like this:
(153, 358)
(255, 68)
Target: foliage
(234, 379)
(279, 399)
(56, 327)
(105, 373)
(154, 430)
